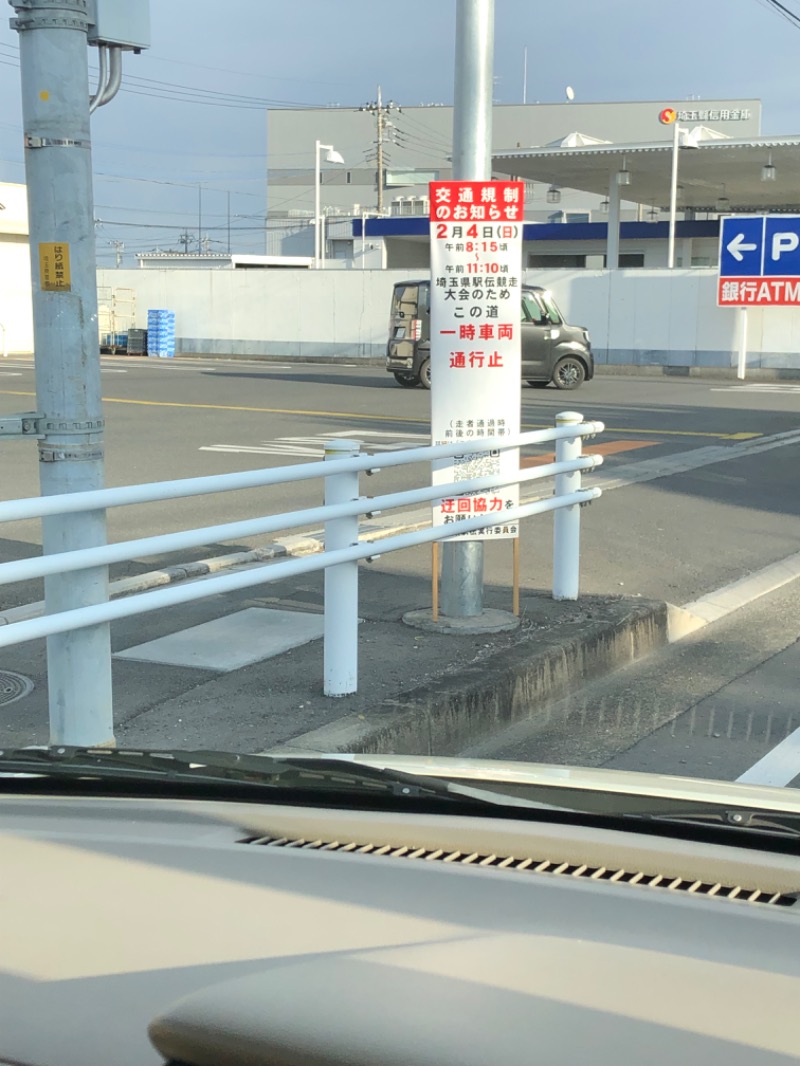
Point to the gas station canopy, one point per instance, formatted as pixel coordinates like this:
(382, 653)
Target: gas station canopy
(716, 173)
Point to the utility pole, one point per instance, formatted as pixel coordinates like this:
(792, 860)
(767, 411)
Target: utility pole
(381, 112)
(185, 239)
(119, 248)
(200, 218)
(54, 76)
(58, 172)
(462, 561)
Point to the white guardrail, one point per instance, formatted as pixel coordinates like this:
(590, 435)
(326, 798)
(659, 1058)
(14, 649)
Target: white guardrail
(340, 514)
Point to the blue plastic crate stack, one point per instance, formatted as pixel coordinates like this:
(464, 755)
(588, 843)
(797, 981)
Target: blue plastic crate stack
(161, 334)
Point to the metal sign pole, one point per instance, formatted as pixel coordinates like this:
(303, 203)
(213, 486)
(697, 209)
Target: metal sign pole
(741, 369)
(58, 169)
(462, 562)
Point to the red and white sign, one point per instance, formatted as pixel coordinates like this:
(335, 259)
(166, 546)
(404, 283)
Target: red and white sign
(476, 311)
(758, 292)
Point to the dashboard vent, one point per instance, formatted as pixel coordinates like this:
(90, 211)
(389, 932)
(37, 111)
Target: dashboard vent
(536, 866)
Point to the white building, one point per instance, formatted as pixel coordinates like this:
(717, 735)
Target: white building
(416, 149)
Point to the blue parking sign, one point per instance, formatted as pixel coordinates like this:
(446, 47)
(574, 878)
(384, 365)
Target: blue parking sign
(782, 246)
(741, 247)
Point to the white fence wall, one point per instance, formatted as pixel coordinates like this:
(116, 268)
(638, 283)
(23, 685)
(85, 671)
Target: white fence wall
(636, 317)
(16, 310)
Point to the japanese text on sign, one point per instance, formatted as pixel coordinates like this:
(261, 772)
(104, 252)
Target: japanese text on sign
(54, 268)
(476, 262)
(759, 292)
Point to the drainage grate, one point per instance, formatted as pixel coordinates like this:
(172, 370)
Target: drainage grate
(537, 866)
(13, 687)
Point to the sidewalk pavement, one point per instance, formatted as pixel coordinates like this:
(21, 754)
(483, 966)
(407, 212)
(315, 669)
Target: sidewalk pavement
(418, 692)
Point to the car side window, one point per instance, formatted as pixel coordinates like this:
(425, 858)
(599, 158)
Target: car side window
(531, 311)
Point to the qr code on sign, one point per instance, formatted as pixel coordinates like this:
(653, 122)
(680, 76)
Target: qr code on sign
(477, 464)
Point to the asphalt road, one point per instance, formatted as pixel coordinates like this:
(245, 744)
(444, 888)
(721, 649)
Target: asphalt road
(674, 537)
(720, 704)
(700, 487)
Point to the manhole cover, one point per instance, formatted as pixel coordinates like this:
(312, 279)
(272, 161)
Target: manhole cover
(13, 687)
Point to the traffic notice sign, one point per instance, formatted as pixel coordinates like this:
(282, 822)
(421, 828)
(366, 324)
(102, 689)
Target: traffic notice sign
(476, 310)
(759, 261)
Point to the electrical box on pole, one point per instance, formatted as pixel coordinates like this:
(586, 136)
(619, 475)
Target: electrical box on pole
(119, 23)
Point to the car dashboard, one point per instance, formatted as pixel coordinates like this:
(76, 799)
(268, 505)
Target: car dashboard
(139, 931)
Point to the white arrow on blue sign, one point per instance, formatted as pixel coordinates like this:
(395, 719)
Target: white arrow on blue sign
(741, 246)
(766, 246)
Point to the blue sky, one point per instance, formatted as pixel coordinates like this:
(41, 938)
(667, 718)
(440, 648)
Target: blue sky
(152, 150)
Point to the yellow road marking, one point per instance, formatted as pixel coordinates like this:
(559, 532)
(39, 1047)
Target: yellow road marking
(389, 418)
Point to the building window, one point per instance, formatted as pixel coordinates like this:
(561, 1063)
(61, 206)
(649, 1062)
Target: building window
(631, 259)
(410, 177)
(348, 177)
(578, 216)
(543, 262)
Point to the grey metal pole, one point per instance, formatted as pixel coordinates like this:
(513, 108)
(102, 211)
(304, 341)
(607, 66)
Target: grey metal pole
(58, 169)
(317, 182)
(379, 160)
(673, 195)
(462, 561)
(612, 238)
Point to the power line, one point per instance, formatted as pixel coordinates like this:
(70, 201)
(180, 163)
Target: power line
(154, 87)
(791, 16)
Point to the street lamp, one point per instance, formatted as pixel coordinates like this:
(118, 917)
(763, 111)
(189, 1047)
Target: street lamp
(689, 141)
(331, 156)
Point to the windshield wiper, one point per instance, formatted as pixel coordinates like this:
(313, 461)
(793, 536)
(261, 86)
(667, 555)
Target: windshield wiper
(329, 777)
(781, 823)
(323, 779)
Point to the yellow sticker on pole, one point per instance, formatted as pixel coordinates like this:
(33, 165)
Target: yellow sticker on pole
(54, 270)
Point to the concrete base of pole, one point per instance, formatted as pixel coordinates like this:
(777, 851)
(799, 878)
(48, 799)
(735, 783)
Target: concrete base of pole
(488, 621)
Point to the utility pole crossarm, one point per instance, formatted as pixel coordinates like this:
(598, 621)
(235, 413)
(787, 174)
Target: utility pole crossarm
(381, 112)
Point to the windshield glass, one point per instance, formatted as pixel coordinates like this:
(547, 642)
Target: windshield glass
(552, 310)
(239, 515)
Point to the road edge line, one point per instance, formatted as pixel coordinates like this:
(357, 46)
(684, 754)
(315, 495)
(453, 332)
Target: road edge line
(685, 620)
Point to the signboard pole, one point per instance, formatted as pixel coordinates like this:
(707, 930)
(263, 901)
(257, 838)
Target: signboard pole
(462, 562)
(741, 369)
(58, 172)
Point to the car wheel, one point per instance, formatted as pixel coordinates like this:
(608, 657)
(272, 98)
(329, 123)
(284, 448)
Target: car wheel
(408, 381)
(538, 384)
(569, 373)
(425, 374)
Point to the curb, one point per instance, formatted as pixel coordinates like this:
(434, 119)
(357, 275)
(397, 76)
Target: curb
(710, 373)
(293, 547)
(155, 578)
(723, 601)
(448, 715)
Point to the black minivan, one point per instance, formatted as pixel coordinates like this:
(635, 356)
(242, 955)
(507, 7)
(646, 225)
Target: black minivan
(552, 350)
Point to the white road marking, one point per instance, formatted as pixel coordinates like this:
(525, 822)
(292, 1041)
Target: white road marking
(314, 447)
(778, 767)
(756, 387)
(11, 373)
(261, 366)
(681, 462)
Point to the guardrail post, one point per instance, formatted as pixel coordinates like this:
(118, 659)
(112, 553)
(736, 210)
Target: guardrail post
(567, 520)
(340, 672)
